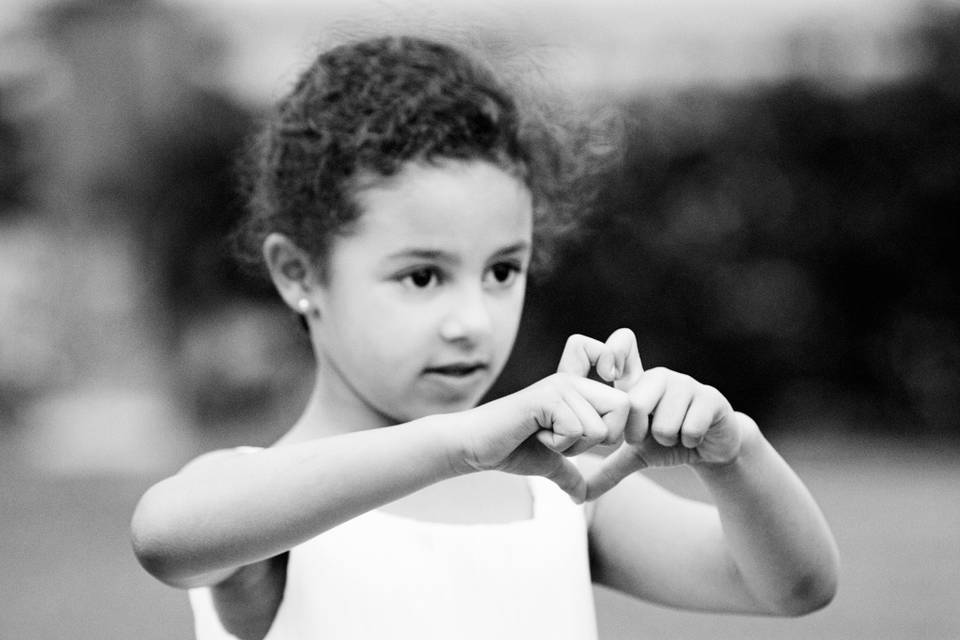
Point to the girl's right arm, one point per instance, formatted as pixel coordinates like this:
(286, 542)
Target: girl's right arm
(223, 512)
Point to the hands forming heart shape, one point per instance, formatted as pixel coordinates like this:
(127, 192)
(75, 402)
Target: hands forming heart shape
(663, 418)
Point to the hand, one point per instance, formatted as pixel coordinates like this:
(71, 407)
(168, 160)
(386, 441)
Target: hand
(529, 432)
(616, 361)
(673, 418)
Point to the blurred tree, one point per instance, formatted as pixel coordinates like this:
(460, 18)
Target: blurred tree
(13, 170)
(791, 244)
(142, 156)
(131, 164)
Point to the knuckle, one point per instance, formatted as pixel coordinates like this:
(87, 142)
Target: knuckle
(598, 432)
(670, 375)
(664, 433)
(612, 439)
(637, 402)
(574, 341)
(695, 428)
(559, 380)
(712, 393)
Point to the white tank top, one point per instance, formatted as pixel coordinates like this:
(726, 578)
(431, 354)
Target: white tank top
(386, 576)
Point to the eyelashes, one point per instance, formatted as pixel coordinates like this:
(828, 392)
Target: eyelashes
(422, 278)
(500, 275)
(504, 273)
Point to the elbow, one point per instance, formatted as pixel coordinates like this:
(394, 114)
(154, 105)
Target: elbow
(154, 550)
(811, 592)
(818, 588)
(810, 595)
(153, 560)
(812, 588)
(159, 561)
(148, 546)
(160, 548)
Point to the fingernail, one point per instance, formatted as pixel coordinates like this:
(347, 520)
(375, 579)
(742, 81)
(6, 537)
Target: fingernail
(614, 372)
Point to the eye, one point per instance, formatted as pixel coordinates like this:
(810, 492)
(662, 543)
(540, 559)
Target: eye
(504, 273)
(421, 278)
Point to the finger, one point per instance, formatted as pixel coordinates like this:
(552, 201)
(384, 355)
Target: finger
(669, 414)
(592, 419)
(581, 354)
(612, 405)
(567, 476)
(697, 422)
(578, 448)
(644, 397)
(563, 426)
(622, 344)
(607, 366)
(556, 442)
(614, 468)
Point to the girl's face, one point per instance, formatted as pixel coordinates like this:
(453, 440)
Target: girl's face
(422, 301)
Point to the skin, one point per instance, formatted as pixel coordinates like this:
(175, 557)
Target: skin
(411, 325)
(434, 276)
(765, 548)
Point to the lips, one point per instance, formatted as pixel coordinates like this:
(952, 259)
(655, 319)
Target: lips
(457, 369)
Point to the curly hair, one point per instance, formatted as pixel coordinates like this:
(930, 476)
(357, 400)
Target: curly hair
(374, 105)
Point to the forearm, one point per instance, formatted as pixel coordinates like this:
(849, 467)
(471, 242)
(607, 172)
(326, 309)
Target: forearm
(234, 511)
(778, 539)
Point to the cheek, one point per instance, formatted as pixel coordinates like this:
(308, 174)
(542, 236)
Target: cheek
(385, 330)
(508, 314)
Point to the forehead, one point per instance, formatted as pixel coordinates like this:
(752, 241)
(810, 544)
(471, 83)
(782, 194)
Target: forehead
(454, 206)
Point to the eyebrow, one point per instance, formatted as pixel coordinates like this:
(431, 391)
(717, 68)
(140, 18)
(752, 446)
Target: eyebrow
(440, 255)
(516, 247)
(422, 254)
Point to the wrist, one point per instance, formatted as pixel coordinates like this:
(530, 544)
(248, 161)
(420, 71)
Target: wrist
(477, 439)
(445, 433)
(453, 432)
(750, 441)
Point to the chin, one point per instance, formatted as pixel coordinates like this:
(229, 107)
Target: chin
(437, 406)
(429, 400)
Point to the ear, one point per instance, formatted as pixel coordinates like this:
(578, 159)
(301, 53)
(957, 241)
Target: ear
(291, 269)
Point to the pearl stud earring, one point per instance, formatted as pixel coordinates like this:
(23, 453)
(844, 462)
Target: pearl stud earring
(303, 305)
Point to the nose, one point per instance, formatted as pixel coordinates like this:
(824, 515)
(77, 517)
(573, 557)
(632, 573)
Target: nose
(468, 319)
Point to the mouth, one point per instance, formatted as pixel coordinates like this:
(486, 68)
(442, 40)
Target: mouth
(458, 369)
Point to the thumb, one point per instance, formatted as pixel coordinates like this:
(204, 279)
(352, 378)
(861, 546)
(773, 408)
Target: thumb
(614, 468)
(555, 441)
(565, 475)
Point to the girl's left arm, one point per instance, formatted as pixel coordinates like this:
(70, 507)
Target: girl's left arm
(764, 547)
(781, 544)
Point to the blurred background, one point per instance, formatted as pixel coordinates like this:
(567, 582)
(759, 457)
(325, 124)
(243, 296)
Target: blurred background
(779, 226)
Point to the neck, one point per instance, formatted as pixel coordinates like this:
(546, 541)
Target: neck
(334, 409)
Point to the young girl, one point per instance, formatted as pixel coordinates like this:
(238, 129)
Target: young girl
(399, 201)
